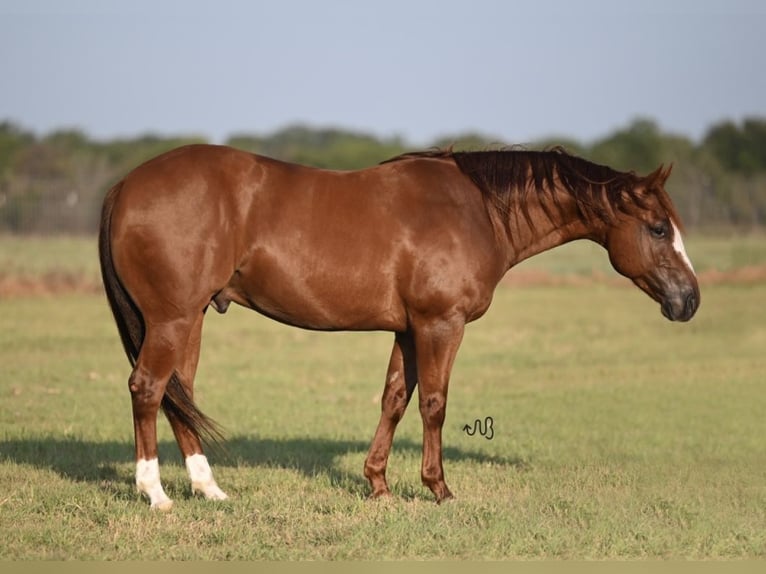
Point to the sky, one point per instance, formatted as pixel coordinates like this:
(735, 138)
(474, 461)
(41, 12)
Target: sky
(517, 71)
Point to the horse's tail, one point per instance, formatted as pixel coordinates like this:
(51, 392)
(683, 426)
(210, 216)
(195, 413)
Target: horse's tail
(129, 321)
(176, 402)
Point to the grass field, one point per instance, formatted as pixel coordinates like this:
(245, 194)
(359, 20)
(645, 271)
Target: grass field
(617, 435)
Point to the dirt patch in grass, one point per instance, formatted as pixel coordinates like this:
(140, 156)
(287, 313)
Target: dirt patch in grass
(49, 284)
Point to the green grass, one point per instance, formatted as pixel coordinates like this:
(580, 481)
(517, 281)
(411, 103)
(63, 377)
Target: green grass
(617, 435)
(38, 255)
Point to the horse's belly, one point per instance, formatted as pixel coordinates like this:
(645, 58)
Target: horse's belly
(311, 296)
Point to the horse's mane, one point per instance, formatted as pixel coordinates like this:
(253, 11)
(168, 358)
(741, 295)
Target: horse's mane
(508, 177)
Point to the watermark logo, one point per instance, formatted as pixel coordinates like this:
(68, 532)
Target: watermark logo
(484, 428)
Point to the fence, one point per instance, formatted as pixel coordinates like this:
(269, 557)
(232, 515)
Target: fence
(46, 214)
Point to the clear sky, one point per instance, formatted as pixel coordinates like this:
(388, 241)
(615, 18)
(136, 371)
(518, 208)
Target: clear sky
(419, 69)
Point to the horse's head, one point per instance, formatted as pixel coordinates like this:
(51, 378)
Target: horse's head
(644, 243)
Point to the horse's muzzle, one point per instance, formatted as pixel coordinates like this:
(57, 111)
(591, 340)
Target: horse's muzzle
(681, 308)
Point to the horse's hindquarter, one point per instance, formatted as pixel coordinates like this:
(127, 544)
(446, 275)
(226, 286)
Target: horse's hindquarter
(174, 228)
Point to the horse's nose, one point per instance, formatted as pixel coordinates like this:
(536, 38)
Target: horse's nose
(681, 308)
(691, 304)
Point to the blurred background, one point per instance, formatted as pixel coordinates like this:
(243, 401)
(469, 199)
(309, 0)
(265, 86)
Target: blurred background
(92, 88)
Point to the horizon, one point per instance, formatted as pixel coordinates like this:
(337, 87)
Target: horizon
(369, 133)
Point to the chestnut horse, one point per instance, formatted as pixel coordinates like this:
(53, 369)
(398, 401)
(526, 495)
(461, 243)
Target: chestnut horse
(415, 246)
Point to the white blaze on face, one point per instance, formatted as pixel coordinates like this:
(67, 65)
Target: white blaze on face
(678, 245)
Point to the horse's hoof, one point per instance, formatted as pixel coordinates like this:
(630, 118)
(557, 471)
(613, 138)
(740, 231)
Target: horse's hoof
(384, 494)
(445, 496)
(163, 506)
(210, 491)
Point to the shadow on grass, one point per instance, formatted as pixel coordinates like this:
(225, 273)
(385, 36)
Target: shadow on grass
(98, 462)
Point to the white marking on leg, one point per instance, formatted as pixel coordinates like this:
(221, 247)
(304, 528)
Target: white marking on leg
(202, 477)
(148, 482)
(678, 245)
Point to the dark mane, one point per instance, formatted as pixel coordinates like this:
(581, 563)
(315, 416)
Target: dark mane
(508, 177)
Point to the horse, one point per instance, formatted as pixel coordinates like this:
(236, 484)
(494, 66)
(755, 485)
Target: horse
(415, 245)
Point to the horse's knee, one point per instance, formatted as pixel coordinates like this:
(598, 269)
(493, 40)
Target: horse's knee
(433, 408)
(395, 404)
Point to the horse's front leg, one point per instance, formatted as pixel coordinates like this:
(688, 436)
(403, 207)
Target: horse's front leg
(401, 379)
(436, 345)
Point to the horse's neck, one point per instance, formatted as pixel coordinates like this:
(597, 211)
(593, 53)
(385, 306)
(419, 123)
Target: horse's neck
(553, 223)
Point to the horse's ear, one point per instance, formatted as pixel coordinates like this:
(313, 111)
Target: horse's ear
(659, 176)
(666, 173)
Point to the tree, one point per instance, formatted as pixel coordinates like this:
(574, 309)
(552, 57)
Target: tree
(739, 149)
(636, 148)
(55, 183)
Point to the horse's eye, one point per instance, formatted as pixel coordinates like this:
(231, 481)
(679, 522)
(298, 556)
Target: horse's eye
(658, 230)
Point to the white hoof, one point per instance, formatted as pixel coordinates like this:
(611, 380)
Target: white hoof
(202, 478)
(163, 505)
(210, 491)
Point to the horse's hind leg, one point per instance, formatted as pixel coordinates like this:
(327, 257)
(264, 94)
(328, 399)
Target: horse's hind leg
(188, 439)
(400, 383)
(160, 353)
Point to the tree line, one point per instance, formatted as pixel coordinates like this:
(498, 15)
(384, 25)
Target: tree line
(55, 183)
